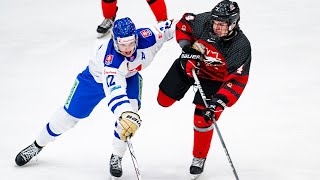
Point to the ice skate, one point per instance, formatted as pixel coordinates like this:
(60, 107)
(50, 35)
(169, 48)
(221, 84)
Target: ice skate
(115, 167)
(104, 28)
(196, 167)
(24, 156)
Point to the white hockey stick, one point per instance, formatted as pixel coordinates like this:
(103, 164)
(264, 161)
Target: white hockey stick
(203, 96)
(133, 157)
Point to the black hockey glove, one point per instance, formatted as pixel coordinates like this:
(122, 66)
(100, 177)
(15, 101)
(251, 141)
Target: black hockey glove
(215, 105)
(190, 59)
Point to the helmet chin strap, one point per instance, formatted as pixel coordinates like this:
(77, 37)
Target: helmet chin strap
(230, 35)
(230, 30)
(232, 26)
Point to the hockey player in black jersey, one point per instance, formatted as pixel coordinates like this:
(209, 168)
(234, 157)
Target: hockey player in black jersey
(213, 44)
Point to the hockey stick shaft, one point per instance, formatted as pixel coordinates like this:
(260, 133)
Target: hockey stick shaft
(134, 159)
(203, 96)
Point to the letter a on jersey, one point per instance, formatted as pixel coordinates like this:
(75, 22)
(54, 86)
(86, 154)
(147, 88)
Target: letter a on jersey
(143, 56)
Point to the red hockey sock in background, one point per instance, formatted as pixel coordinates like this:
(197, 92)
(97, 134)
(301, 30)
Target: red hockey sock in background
(159, 9)
(109, 8)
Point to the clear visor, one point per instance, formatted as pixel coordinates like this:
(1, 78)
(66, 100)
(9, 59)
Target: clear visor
(126, 46)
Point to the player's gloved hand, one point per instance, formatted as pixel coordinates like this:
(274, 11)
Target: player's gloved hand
(167, 28)
(165, 24)
(215, 105)
(190, 59)
(129, 123)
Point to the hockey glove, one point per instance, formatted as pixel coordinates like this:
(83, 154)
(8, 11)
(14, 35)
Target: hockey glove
(167, 28)
(215, 105)
(129, 122)
(165, 24)
(190, 59)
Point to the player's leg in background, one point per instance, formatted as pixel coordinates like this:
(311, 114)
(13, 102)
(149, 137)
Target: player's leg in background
(159, 9)
(109, 10)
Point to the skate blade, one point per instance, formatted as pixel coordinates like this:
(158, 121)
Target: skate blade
(114, 178)
(194, 176)
(102, 35)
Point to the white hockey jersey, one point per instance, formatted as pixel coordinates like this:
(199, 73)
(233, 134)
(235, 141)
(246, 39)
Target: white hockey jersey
(111, 68)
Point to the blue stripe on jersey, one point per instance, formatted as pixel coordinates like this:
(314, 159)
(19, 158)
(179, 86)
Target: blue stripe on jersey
(115, 98)
(116, 134)
(118, 104)
(146, 38)
(50, 131)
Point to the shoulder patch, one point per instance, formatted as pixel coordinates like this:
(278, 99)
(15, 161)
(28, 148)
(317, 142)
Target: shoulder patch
(183, 27)
(108, 60)
(146, 33)
(189, 18)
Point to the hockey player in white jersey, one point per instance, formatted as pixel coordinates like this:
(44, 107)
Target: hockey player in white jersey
(113, 73)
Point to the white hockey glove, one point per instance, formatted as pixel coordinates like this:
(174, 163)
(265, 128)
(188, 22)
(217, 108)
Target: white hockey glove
(165, 24)
(168, 27)
(129, 122)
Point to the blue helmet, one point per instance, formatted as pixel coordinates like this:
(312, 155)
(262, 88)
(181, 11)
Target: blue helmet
(124, 31)
(123, 28)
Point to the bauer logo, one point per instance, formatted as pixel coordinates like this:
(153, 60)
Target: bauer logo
(146, 33)
(134, 119)
(108, 59)
(190, 56)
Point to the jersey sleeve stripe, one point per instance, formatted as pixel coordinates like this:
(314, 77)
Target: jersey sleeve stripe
(116, 98)
(113, 108)
(116, 134)
(232, 91)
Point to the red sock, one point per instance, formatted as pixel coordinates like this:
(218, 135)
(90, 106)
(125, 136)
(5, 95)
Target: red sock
(159, 9)
(109, 8)
(202, 140)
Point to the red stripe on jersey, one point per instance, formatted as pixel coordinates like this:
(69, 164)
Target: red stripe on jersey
(183, 30)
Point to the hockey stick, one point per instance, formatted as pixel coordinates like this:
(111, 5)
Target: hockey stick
(133, 157)
(203, 96)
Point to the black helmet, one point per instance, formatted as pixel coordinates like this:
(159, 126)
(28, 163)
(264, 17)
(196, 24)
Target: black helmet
(227, 11)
